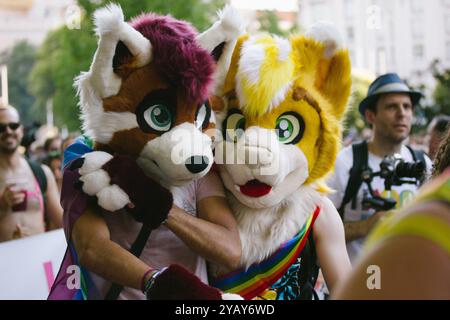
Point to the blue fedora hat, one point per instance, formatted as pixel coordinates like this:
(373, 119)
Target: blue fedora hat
(387, 83)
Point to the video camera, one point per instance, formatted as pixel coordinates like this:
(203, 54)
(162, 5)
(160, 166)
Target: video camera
(395, 171)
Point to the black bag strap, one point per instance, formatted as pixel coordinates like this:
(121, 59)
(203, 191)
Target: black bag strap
(360, 163)
(40, 176)
(136, 250)
(418, 155)
(309, 270)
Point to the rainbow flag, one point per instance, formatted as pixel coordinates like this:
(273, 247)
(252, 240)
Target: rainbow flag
(73, 282)
(253, 281)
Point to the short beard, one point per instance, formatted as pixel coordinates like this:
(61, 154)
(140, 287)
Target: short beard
(399, 140)
(8, 151)
(393, 139)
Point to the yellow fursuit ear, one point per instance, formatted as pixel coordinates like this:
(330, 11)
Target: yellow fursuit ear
(334, 81)
(325, 71)
(331, 75)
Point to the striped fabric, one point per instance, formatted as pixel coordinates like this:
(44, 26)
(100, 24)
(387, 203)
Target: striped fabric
(260, 276)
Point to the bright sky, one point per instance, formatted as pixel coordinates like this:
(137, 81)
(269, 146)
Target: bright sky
(281, 5)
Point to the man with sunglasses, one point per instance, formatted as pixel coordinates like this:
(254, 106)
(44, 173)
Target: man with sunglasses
(22, 209)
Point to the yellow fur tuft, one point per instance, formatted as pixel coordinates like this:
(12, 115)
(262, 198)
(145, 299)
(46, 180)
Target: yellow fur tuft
(265, 76)
(322, 187)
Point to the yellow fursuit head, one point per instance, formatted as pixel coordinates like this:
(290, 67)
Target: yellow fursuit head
(306, 75)
(284, 99)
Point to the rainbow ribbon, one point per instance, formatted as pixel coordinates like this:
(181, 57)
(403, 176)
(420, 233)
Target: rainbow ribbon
(253, 281)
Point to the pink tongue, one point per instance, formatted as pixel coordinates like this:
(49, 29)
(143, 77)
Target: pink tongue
(255, 189)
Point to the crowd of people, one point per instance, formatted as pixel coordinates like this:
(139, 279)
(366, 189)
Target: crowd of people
(30, 178)
(29, 199)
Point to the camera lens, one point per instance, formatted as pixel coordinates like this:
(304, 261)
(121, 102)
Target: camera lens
(410, 169)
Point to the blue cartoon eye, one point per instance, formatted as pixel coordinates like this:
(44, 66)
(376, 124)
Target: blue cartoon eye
(158, 117)
(290, 127)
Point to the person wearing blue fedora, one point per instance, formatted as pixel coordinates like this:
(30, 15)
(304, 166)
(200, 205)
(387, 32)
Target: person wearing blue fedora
(388, 109)
(387, 84)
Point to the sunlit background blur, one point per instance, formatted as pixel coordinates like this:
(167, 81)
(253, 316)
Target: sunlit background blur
(44, 44)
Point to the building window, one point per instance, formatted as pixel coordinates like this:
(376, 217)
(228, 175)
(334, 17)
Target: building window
(418, 52)
(417, 27)
(393, 60)
(381, 61)
(348, 9)
(320, 11)
(352, 57)
(416, 6)
(46, 13)
(350, 34)
(447, 23)
(447, 51)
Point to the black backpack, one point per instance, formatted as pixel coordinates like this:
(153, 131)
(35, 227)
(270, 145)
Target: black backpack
(360, 164)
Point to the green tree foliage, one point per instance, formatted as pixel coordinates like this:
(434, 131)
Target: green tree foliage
(427, 110)
(66, 52)
(270, 23)
(60, 59)
(352, 118)
(442, 92)
(20, 60)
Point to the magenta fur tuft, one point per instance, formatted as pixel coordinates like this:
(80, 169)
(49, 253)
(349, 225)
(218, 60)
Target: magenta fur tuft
(177, 55)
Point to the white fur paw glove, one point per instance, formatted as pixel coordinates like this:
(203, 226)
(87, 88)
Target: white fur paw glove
(97, 182)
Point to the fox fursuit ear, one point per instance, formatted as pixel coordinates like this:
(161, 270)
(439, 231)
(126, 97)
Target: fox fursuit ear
(323, 54)
(220, 40)
(327, 34)
(325, 68)
(119, 44)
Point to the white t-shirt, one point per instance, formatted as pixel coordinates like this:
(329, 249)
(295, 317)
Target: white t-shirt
(163, 247)
(338, 181)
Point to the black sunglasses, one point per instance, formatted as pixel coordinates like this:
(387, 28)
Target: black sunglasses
(12, 125)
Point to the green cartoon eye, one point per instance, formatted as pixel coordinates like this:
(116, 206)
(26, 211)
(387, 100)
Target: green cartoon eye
(158, 117)
(203, 116)
(234, 126)
(290, 127)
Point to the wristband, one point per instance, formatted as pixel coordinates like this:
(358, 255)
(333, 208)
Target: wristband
(151, 281)
(144, 276)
